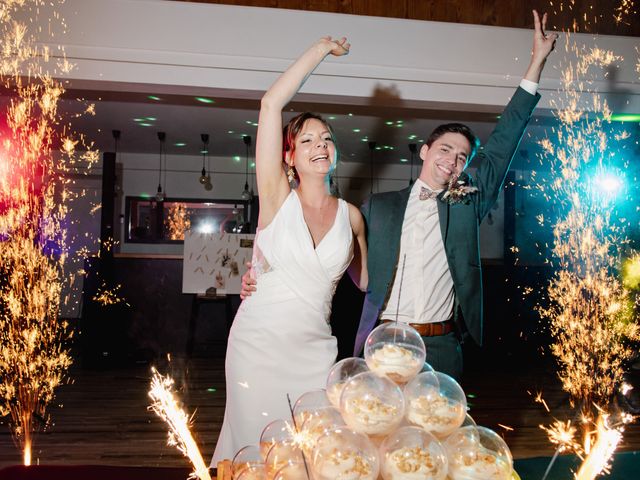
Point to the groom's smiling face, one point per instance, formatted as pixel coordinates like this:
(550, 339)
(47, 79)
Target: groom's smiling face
(444, 158)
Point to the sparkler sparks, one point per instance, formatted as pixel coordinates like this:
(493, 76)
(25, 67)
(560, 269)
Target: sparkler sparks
(591, 312)
(562, 434)
(598, 459)
(166, 406)
(34, 357)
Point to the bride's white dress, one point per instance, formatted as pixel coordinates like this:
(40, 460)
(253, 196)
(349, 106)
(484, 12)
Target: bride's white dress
(280, 342)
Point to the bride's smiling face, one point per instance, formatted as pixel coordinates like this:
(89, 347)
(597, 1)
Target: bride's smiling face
(315, 151)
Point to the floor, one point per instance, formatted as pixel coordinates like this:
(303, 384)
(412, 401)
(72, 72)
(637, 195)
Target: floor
(102, 416)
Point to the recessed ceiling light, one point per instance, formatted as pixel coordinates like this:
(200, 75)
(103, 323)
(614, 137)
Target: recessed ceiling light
(153, 97)
(205, 100)
(144, 124)
(179, 144)
(404, 160)
(625, 117)
(356, 130)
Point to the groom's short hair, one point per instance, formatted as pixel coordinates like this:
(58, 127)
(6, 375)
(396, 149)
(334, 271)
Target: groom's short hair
(460, 128)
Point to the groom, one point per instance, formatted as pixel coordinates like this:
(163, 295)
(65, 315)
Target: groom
(423, 245)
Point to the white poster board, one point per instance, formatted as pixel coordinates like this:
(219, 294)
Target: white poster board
(215, 260)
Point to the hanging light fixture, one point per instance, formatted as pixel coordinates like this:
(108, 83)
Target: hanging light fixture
(413, 148)
(160, 195)
(246, 193)
(208, 186)
(116, 137)
(205, 150)
(372, 147)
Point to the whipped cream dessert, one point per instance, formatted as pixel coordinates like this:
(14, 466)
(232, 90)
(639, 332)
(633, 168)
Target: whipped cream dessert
(484, 465)
(395, 362)
(334, 392)
(371, 415)
(280, 455)
(341, 465)
(249, 471)
(316, 426)
(435, 413)
(411, 463)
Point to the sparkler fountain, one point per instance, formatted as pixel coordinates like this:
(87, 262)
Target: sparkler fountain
(165, 405)
(34, 356)
(590, 312)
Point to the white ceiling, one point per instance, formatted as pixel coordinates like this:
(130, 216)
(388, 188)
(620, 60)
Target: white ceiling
(184, 119)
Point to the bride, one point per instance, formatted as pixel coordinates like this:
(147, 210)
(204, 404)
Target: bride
(280, 342)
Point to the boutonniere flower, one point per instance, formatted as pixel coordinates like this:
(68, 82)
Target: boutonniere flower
(459, 189)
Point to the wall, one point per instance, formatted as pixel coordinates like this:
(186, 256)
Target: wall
(122, 44)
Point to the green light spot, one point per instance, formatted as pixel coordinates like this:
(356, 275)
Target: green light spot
(211, 390)
(204, 151)
(153, 97)
(205, 100)
(356, 130)
(144, 124)
(388, 123)
(398, 121)
(179, 144)
(138, 119)
(471, 395)
(230, 131)
(248, 122)
(332, 117)
(254, 124)
(404, 160)
(350, 114)
(151, 119)
(364, 139)
(412, 137)
(625, 117)
(236, 158)
(378, 148)
(253, 164)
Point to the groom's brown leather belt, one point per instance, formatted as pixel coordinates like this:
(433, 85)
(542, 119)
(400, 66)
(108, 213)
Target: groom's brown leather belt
(434, 329)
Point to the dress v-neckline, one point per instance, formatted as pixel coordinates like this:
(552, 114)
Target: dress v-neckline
(335, 218)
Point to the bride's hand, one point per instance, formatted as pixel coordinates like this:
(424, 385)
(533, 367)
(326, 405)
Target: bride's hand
(337, 47)
(248, 283)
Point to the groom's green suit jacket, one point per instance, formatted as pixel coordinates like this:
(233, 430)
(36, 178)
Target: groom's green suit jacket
(459, 225)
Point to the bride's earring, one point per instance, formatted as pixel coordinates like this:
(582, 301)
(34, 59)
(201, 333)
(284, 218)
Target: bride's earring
(291, 174)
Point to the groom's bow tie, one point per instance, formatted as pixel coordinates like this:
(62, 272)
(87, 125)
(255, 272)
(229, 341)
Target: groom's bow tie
(427, 193)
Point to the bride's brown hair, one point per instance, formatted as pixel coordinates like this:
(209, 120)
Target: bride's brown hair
(291, 131)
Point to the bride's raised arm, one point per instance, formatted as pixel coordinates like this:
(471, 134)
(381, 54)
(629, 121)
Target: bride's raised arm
(272, 183)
